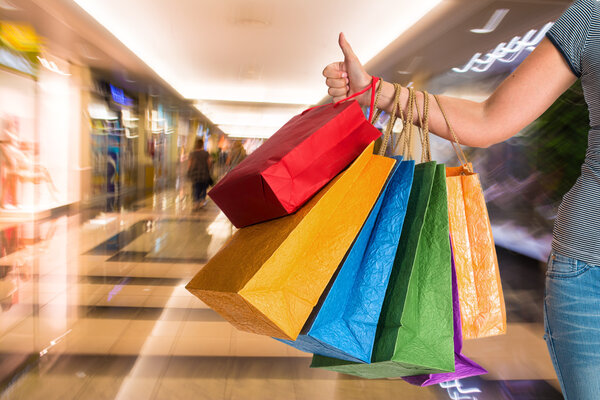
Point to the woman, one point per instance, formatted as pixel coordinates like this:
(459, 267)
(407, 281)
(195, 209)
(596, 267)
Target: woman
(570, 51)
(199, 173)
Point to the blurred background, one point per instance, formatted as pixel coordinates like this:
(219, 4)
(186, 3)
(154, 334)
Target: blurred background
(101, 102)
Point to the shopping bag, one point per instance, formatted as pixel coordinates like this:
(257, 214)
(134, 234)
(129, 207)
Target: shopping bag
(480, 290)
(345, 323)
(292, 165)
(463, 366)
(269, 276)
(414, 332)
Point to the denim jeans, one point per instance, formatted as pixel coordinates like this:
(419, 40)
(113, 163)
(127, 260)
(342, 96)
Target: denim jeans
(572, 323)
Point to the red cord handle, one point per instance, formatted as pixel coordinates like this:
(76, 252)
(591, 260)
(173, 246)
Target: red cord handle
(372, 86)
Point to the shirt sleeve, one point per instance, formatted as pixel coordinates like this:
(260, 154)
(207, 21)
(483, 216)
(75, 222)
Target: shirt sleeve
(570, 32)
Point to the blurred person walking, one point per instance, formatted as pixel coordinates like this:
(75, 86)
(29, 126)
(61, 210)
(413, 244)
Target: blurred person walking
(236, 154)
(570, 51)
(199, 168)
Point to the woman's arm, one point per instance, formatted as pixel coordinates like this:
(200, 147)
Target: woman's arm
(517, 102)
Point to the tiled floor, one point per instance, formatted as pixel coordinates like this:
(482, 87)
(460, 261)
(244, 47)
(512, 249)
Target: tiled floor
(97, 309)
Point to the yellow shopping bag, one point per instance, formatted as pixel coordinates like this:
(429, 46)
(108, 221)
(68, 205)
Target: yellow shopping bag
(269, 276)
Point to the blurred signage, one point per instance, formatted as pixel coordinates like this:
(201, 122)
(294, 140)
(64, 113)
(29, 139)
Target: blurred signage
(20, 37)
(119, 97)
(19, 45)
(16, 61)
(506, 52)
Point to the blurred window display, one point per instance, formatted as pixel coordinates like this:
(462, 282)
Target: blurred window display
(114, 122)
(39, 121)
(19, 47)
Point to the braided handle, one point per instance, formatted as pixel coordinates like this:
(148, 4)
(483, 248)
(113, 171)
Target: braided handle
(424, 129)
(462, 158)
(393, 118)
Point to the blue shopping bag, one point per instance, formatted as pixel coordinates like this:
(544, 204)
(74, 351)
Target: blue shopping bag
(345, 323)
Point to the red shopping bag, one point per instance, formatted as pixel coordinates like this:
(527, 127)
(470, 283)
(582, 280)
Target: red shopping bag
(296, 162)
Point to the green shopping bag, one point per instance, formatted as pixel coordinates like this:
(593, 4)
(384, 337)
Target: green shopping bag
(415, 329)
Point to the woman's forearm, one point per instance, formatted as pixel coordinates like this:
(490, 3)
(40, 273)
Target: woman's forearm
(472, 113)
(517, 102)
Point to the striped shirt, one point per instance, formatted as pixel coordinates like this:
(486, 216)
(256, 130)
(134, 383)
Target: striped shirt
(576, 34)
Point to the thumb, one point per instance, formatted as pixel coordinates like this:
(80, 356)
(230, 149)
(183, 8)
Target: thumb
(346, 48)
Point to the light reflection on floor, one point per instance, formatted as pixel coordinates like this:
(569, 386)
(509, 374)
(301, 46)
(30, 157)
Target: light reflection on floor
(97, 309)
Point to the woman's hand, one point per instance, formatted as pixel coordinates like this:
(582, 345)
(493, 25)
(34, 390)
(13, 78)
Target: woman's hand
(347, 77)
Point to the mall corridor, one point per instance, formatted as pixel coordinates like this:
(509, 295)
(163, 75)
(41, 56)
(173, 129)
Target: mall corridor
(100, 312)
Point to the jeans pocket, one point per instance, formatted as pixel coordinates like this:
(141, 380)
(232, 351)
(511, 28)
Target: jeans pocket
(560, 266)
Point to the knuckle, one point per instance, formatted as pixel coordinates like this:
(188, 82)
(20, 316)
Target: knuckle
(335, 83)
(336, 92)
(329, 71)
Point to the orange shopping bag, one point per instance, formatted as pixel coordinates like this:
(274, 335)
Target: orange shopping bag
(482, 308)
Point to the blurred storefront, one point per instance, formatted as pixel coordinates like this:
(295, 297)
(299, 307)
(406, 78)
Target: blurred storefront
(39, 93)
(161, 142)
(114, 133)
(71, 135)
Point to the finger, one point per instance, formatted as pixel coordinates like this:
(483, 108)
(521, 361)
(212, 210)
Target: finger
(336, 83)
(333, 71)
(337, 92)
(346, 48)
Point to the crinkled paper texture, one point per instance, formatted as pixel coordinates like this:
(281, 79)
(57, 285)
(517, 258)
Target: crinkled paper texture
(294, 164)
(268, 277)
(463, 366)
(346, 323)
(415, 331)
(478, 277)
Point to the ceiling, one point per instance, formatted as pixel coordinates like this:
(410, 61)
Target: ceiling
(251, 65)
(70, 34)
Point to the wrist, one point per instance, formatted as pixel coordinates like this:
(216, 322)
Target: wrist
(386, 98)
(365, 98)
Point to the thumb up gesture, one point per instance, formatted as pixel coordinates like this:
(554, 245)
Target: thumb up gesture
(347, 77)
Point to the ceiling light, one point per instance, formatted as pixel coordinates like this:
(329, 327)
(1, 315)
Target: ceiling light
(493, 22)
(411, 67)
(249, 115)
(505, 52)
(255, 22)
(251, 14)
(85, 52)
(51, 65)
(240, 131)
(127, 77)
